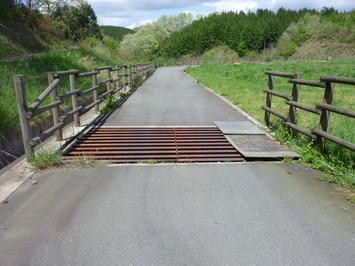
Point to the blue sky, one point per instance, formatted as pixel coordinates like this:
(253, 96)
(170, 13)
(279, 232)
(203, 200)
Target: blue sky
(133, 13)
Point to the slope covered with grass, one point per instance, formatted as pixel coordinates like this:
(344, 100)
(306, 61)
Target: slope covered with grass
(90, 54)
(26, 32)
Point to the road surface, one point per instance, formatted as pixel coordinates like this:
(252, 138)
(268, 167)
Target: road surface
(262, 213)
(170, 98)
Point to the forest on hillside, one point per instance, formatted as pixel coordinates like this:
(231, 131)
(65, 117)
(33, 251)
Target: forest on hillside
(245, 33)
(116, 32)
(240, 31)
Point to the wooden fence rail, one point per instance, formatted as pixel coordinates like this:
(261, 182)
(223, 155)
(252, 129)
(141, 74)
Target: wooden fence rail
(327, 83)
(117, 79)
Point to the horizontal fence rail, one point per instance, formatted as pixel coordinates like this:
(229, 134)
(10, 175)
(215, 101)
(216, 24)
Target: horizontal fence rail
(323, 110)
(116, 79)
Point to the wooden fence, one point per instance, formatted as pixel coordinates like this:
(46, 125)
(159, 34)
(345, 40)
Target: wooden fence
(327, 83)
(118, 79)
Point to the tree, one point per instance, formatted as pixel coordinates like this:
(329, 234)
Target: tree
(77, 21)
(146, 41)
(242, 48)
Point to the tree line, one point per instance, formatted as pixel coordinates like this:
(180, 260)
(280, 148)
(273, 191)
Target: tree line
(243, 32)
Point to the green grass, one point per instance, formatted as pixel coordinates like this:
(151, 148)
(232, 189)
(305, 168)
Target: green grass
(45, 158)
(350, 198)
(243, 85)
(137, 81)
(151, 161)
(35, 71)
(109, 104)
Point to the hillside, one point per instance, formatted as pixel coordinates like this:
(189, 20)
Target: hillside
(26, 29)
(240, 31)
(115, 32)
(259, 33)
(324, 48)
(23, 31)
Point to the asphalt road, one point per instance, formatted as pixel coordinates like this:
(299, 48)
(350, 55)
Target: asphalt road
(170, 98)
(197, 214)
(226, 214)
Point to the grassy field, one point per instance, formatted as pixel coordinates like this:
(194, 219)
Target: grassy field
(243, 85)
(35, 71)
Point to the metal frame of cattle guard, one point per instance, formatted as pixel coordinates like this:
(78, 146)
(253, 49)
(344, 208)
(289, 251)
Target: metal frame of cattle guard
(322, 109)
(118, 78)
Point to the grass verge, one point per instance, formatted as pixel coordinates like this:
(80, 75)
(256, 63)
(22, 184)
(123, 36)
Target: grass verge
(243, 84)
(45, 158)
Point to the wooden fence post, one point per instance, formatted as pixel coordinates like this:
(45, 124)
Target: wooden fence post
(293, 110)
(118, 79)
(324, 117)
(109, 82)
(129, 75)
(95, 93)
(22, 109)
(55, 110)
(269, 100)
(74, 98)
(124, 79)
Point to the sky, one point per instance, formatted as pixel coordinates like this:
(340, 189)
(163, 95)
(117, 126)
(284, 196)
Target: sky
(134, 13)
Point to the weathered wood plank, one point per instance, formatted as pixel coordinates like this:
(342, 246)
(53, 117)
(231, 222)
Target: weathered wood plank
(52, 86)
(337, 109)
(22, 110)
(74, 99)
(55, 110)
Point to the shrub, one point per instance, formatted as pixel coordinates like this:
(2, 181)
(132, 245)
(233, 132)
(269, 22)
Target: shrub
(110, 105)
(137, 81)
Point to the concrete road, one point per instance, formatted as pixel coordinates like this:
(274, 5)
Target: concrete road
(171, 98)
(205, 214)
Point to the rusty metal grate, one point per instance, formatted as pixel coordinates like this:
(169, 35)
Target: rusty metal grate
(162, 144)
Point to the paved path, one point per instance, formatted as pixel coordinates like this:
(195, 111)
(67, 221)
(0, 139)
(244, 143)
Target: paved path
(171, 98)
(226, 214)
(197, 214)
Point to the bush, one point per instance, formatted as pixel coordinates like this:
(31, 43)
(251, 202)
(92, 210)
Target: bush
(110, 105)
(111, 43)
(137, 81)
(286, 47)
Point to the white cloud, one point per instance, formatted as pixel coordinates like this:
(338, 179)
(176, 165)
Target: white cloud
(136, 12)
(141, 23)
(112, 21)
(238, 5)
(196, 14)
(316, 4)
(231, 5)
